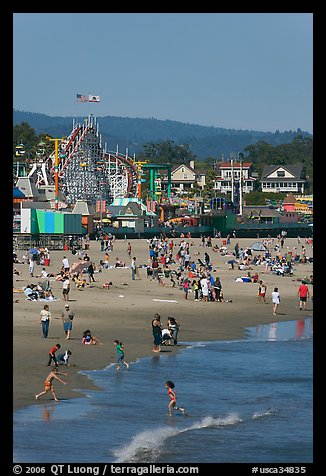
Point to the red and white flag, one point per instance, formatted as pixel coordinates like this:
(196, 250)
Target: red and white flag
(89, 98)
(93, 98)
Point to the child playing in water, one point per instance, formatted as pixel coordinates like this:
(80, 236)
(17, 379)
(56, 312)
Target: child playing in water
(48, 385)
(121, 354)
(173, 398)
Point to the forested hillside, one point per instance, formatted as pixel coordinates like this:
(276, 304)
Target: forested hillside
(133, 133)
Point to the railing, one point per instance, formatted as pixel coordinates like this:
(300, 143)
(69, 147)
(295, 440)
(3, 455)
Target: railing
(51, 242)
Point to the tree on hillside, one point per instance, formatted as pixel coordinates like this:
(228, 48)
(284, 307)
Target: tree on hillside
(208, 190)
(167, 152)
(34, 145)
(24, 134)
(299, 151)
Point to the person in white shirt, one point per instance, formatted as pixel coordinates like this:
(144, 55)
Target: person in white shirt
(64, 358)
(275, 300)
(31, 267)
(204, 288)
(66, 288)
(44, 273)
(66, 265)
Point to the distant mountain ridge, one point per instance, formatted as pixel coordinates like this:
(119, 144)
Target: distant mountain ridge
(133, 133)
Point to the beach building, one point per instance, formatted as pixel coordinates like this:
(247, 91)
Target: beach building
(184, 178)
(229, 172)
(283, 178)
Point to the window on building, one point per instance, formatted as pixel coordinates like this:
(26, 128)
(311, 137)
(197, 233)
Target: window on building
(281, 173)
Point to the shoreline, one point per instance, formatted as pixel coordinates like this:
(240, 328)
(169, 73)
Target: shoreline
(125, 311)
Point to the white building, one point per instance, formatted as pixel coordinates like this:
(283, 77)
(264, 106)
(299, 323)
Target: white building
(230, 172)
(283, 178)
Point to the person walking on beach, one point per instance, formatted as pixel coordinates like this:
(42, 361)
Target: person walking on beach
(52, 356)
(65, 287)
(121, 355)
(275, 300)
(48, 383)
(133, 268)
(31, 267)
(67, 317)
(303, 293)
(90, 271)
(186, 286)
(65, 264)
(173, 398)
(157, 332)
(45, 320)
(129, 250)
(261, 294)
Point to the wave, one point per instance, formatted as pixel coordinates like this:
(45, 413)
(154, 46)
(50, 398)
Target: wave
(145, 446)
(264, 413)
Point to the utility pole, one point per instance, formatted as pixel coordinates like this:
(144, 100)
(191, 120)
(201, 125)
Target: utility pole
(232, 181)
(240, 188)
(241, 184)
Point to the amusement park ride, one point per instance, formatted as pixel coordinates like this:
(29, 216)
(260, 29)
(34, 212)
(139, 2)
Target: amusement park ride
(82, 169)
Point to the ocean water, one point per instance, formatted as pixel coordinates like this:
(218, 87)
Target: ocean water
(247, 401)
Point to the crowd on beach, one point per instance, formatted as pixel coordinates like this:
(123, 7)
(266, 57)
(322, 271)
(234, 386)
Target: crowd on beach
(171, 262)
(193, 272)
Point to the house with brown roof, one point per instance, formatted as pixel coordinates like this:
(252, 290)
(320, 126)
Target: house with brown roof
(289, 203)
(268, 214)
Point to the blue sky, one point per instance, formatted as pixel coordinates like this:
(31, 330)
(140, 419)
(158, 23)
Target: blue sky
(234, 70)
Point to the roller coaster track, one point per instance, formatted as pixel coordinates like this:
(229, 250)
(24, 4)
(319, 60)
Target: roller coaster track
(88, 172)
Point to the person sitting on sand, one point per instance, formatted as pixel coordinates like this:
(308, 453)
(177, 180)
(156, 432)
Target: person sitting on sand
(30, 292)
(88, 339)
(48, 385)
(80, 283)
(119, 264)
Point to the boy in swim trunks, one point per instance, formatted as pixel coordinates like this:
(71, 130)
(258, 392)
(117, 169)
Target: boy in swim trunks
(48, 385)
(173, 398)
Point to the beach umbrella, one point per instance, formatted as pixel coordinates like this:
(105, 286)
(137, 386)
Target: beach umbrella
(79, 266)
(258, 246)
(232, 261)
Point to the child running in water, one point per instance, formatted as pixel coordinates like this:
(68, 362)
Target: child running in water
(173, 398)
(48, 385)
(121, 354)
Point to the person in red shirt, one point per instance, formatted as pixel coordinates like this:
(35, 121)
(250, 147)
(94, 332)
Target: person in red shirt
(303, 293)
(52, 356)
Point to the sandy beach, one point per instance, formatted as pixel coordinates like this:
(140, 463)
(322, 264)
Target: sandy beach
(125, 311)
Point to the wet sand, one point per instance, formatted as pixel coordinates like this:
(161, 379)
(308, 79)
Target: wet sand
(126, 309)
